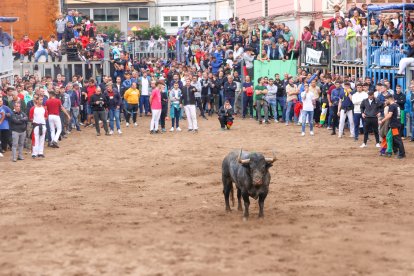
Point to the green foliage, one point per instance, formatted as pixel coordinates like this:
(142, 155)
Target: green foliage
(110, 31)
(155, 31)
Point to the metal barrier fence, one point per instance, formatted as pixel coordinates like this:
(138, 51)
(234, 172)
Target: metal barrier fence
(314, 53)
(349, 51)
(385, 53)
(92, 69)
(149, 49)
(359, 71)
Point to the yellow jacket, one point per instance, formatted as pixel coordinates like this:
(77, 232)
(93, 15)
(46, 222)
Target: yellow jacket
(132, 96)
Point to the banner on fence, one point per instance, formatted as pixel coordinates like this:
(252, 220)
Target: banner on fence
(313, 57)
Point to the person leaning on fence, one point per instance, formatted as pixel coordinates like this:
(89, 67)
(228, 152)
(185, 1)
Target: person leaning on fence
(404, 62)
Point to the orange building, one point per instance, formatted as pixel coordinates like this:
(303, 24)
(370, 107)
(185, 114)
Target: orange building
(36, 17)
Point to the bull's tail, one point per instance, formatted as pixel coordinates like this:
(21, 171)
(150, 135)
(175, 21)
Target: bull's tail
(232, 195)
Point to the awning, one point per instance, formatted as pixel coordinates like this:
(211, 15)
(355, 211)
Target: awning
(372, 8)
(8, 19)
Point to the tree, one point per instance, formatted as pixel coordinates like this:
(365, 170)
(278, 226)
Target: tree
(155, 31)
(110, 31)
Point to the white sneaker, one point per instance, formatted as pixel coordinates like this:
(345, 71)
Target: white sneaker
(311, 133)
(127, 124)
(1, 154)
(276, 121)
(328, 128)
(111, 132)
(178, 129)
(172, 129)
(377, 145)
(135, 124)
(303, 134)
(119, 131)
(363, 145)
(340, 136)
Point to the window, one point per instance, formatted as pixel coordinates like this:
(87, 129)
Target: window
(84, 12)
(170, 21)
(106, 15)
(184, 19)
(200, 18)
(138, 14)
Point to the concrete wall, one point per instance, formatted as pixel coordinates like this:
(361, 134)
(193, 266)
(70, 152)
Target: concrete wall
(36, 18)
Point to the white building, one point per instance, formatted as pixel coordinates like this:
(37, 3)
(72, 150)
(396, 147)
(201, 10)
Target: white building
(172, 14)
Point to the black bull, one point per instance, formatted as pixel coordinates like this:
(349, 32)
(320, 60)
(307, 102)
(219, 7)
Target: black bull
(250, 173)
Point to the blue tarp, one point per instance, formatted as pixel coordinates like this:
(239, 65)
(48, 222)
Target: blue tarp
(8, 19)
(373, 8)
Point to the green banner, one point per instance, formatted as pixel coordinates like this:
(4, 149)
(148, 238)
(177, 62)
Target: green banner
(272, 67)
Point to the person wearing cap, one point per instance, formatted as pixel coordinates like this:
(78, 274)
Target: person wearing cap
(357, 99)
(395, 124)
(370, 109)
(345, 111)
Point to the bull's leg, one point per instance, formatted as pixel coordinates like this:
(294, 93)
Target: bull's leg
(226, 190)
(262, 198)
(239, 205)
(246, 205)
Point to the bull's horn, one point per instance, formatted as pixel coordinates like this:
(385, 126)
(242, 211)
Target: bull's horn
(242, 161)
(273, 159)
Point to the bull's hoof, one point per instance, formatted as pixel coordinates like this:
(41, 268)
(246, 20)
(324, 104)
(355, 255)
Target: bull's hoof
(245, 219)
(240, 209)
(261, 216)
(228, 210)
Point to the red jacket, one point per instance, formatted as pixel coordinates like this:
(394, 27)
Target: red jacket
(25, 46)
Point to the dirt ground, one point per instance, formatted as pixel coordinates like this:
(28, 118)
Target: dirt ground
(145, 204)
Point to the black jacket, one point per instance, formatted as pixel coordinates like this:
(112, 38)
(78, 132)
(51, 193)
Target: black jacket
(371, 110)
(18, 122)
(225, 112)
(103, 102)
(281, 91)
(36, 45)
(400, 99)
(230, 89)
(187, 96)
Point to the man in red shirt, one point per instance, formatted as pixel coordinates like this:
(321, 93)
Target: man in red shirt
(26, 48)
(54, 106)
(90, 91)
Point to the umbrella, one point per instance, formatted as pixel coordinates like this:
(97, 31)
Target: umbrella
(136, 29)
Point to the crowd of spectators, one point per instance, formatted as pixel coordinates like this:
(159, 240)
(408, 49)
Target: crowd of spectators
(210, 66)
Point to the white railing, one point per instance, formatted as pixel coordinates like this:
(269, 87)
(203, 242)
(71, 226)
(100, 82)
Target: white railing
(6, 60)
(150, 49)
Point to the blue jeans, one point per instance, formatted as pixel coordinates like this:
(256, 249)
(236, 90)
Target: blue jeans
(308, 114)
(144, 104)
(114, 113)
(331, 111)
(357, 119)
(40, 53)
(282, 103)
(247, 101)
(273, 106)
(290, 106)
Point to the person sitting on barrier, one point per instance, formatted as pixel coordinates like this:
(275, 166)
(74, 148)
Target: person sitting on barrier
(54, 49)
(404, 62)
(26, 48)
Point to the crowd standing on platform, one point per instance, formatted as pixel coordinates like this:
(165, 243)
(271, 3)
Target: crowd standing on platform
(216, 78)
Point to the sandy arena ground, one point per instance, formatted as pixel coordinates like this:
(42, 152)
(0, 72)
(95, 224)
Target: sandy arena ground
(145, 204)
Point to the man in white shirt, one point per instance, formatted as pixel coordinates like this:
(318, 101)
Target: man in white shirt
(308, 107)
(357, 99)
(53, 49)
(144, 87)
